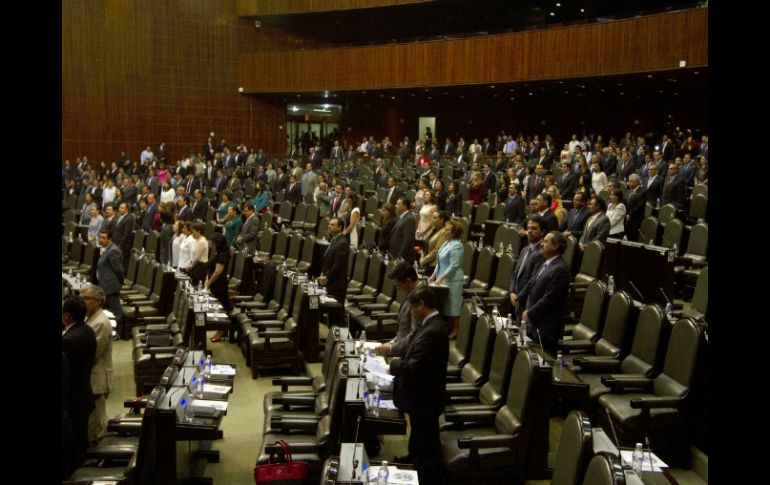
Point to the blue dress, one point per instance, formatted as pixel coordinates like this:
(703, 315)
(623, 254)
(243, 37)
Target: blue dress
(450, 261)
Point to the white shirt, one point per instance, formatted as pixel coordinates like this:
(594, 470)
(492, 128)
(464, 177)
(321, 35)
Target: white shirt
(186, 251)
(108, 195)
(145, 154)
(167, 196)
(616, 213)
(176, 249)
(430, 315)
(200, 250)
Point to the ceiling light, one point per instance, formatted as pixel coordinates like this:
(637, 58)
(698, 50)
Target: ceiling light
(326, 106)
(492, 87)
(553, 14)
(582, 10)
(294, 108)
(392, 97)
(558, 4)
(649, 76)
(530, 94)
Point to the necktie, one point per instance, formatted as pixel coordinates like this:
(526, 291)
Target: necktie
(524, 258)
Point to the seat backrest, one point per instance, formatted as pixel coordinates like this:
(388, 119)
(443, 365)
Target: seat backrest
(147, 448)
(361, 266)
(592, 259)
(477, 370)
(138, 243)
(672, 234)
(569, 251)
(208, 230)
(482, 213)
(299, 212)
(615, 325)
(371, 205)
(461, 346)
(311, 214)
(648, 231)
(510, 418)
(295, 245)
(238, 265)
(133, 263)
(307, 249)
(575, 449)
(647, 348)
(483, 267)
(604, 469)
(151, 242)
(666, 213)
(592, 316)
(281, 245)
(323, 228)
(700, 298)
(370, 231)
(493, 392)
(88, 255)
(698, 205)
(374, 275)
(499, 213)
(467, 209)
(468, 258)
(266, 242)
(500, 235)
(700, 190)
(157, 285)
(504, 270)
(697, 244)
(285, 211)
(681, 356)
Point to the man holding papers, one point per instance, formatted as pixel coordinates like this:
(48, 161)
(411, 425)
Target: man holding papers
(404, 279)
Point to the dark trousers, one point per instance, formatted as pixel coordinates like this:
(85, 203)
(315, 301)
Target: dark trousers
(112, 303)
(425, 448)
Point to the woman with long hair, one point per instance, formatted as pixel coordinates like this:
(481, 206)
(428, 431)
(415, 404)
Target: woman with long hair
(355, 215)
(616, 213)
(261, 198)
(222, 210)
(449, 273)
(476, 189)
(216, 277)
(425, 225)
(233, 224)
(556, 206)
(196, 268)
(454, 201)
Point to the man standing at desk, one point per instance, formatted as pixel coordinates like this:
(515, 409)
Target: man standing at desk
(405, 279)
(109, 274)
(101, 373)
(546, 294)
(420, 385)
(334, 269)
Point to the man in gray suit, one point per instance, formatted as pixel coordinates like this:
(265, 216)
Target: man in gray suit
(401, 242)
(309, 182)
(405, 279)
(248, 235)
(322, 200)
(109, 274)
(101, 372)
(527, 265)
(598, 224)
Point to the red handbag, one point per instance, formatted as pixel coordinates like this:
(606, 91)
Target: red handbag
(289, 472)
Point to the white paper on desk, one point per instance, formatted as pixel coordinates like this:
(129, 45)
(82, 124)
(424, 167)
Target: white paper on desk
(216, 388)
(216, 315)
(223, 370)
(655, 466)
(388, 404)
(207, 403)
(375, 366)
(371, 345)
(328, 299)
(395, 476)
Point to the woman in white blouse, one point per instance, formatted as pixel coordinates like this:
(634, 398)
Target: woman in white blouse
(616, 213)
(185, 247)
(200, 254)
(176, 243)
(355, 216)
(168, 193)
(598, 178)
(425, 225)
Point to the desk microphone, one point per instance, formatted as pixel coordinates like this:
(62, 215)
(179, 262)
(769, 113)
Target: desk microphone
(664, 295)
(612, 427)
(649, 455)
(355, 444)
(537, 330)
(636, 290)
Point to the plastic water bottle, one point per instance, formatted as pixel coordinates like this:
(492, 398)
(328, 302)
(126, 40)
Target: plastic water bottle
(386, 260)
(200, 287)
(382, 474)
(611, 285)
(362, 340)
(376, 401)
(509, 321)
(201, 364)
(522, 334)
(186, 404)
(637, 460)
(207, 367)
(669, 310)
(495, 314)
(199, 387)
(416, 267)
(559, 365)
(502, 249)
(481, 242)
(510, 248)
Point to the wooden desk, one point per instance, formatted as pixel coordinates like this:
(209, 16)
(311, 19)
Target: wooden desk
(648, 267)
(388, 422)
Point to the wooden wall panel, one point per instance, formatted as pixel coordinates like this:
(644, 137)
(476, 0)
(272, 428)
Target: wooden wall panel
(652, 43)
(247, 8)
(136, 73)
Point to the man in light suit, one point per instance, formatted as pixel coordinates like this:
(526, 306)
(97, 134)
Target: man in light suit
(419, 388)
(322, 200)
(101, 373)
(337, 152)
(401, 242)
(634, 207)
(528, 263)
(546, 294)
(309, 183)
(109, 275)
(598, 224)
(335, 262)
(248, 235)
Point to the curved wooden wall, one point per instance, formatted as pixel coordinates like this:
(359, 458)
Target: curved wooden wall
(651, 43)
(250, 8)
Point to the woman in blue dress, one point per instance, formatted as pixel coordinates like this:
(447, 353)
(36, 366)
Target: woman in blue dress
(449, 273)
(261, 198)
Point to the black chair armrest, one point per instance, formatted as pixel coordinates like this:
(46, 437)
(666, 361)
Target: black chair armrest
(293, 424)
(654, 402)
(297, 448)
(270, 334)
(458, 389)
(153, 320)
(385, 316)
(453, 373)
(492, 300)
(597, 365)
(372, 307)
(242, 298)
(575, 345)
(620, 383)
(288, 381)
(471, 416)
(287, 401)
(362, 298)
(160, 350)
(482, 442)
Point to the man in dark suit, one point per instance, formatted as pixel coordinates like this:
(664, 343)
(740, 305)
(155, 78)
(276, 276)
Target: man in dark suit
(404, 279)
(183, 211)
(575, 222)
(191, 184)
(419, 386)
(108, 224)
(667, 149)
(337, 153)
(514, 204)
(536, 183)
(546, 294)
(109, 275)
(337, 199)
(79, 346)
(567, 183)
(449, 148)
(544, 209)
(149, 216)
(248, 236)
(490, 179)
(634, 207)
(293, 191)
(529, 261)
(598, 224)
(653, 185)
(219, 183)
(334, 268)
(673, 189)
(200, 208)
(123, 234)
(625, 166)
(401, 244)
